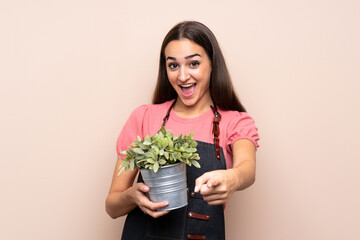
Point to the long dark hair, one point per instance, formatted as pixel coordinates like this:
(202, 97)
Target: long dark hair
(221, 87)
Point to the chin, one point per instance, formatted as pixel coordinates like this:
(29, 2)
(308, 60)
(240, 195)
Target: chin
(188, 103)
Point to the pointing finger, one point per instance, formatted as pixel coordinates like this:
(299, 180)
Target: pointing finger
(200, 181)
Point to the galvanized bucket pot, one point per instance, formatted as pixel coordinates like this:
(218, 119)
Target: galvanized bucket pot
(168, 184)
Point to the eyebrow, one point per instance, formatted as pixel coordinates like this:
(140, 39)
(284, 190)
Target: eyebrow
(187, 57)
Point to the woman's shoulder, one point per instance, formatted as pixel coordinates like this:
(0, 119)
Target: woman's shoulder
(239, 125)
(232, 115)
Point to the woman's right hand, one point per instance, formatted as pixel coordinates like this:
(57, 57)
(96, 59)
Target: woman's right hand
(140, 198)
(124, 196)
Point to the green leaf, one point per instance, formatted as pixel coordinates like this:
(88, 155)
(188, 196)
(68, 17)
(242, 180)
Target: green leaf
(171, 144)
(130, 153)
(139, 138)
(156, 167)
(156, 148)
(143, 146)
(177, 146)
(132, 165)
(191, 135)
(195, 163)
(163, 130)
(139, 157)
(154, 155)
(147, 141)
(159, 143)
(122, 169)
(139, 151)
(195, 156)
(191, 150)
(149, 160)
(169, 136)
(162, 162)
(178, 156)
(165, 142)
(167, 155)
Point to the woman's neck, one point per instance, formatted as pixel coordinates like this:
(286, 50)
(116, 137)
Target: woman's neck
(193, 111)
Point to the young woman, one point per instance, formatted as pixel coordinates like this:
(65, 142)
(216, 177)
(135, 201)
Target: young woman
(194, 92)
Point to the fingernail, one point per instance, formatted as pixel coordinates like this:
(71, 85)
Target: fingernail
(196, 189)
(209, 185)
(146, 188)
(166, 203)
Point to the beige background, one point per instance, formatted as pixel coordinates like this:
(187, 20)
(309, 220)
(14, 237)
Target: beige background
(72, 71)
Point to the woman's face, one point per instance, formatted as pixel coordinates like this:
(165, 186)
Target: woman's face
(188, 69)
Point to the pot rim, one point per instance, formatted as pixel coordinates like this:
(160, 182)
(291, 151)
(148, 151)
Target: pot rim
(162, 167)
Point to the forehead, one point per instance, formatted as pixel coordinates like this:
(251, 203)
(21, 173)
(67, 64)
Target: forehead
(182, 48)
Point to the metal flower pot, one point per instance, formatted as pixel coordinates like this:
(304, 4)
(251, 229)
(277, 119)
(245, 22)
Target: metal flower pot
(168, 184)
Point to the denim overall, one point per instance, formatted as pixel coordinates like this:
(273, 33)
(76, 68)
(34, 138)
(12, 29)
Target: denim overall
(197, 220)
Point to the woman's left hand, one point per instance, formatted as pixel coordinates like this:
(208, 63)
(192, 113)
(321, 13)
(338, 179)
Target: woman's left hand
(217, 186)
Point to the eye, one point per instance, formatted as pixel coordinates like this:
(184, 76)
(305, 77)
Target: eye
(194, 64)
(172, 65)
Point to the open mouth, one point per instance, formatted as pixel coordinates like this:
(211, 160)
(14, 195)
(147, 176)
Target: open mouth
(188, 89)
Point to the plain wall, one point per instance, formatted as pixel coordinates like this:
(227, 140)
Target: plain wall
(72, 71)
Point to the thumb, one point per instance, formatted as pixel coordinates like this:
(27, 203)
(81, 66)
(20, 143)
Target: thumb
(203, 179)
(213, 181)
(142, 187)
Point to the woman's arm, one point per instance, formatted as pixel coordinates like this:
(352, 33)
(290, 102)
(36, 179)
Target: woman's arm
(217, 186)
(123, 196)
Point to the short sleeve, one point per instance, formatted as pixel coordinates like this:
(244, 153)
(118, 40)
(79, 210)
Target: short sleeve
(133, 127)
(242, 126)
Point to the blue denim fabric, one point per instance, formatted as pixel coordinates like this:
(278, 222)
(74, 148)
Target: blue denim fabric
(176, 225)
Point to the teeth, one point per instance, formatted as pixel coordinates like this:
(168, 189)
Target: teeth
(187, 85)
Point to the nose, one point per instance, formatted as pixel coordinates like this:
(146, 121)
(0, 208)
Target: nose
(183, 74)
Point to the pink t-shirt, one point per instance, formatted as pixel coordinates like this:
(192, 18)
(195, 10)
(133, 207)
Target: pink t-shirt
(147, 120)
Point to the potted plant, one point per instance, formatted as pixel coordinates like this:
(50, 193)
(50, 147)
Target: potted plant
(161, 160)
